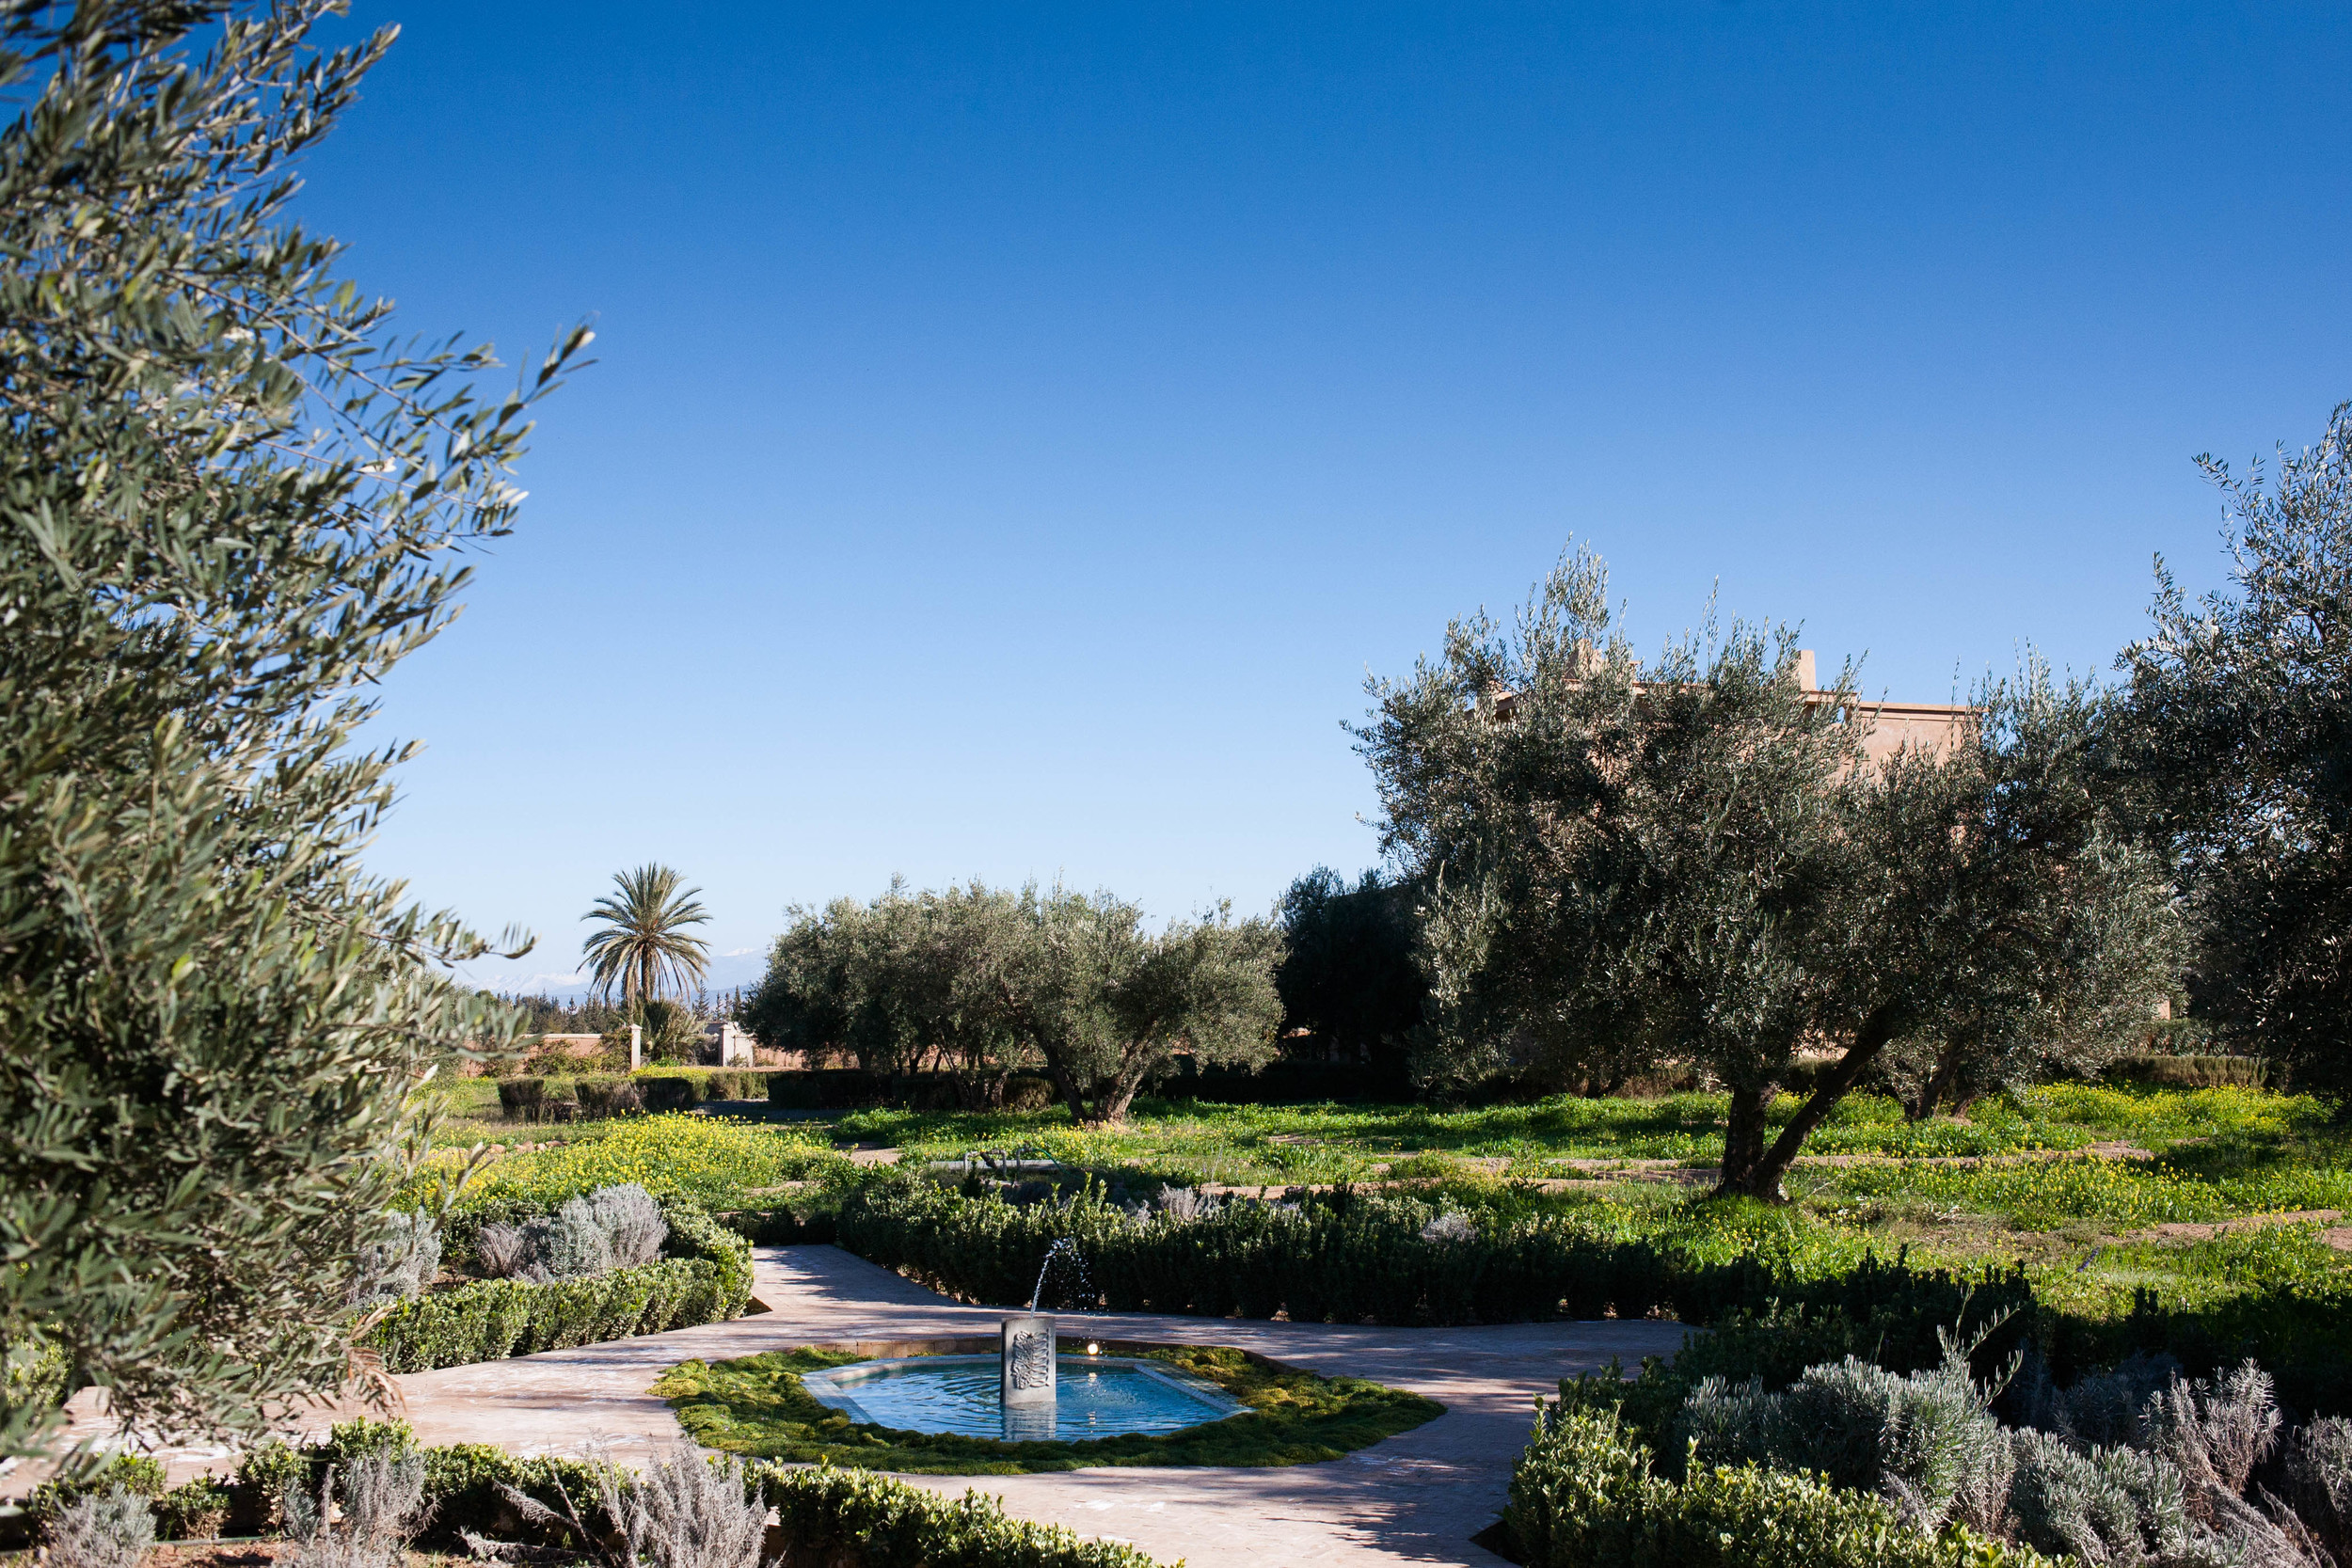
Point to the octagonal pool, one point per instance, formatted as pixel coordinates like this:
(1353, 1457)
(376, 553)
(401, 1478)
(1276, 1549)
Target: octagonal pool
(1096, 1396)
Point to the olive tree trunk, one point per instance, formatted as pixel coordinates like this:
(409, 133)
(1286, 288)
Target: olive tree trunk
(1759, 1175)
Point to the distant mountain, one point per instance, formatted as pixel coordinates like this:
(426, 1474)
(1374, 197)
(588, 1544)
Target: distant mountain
(528, 976)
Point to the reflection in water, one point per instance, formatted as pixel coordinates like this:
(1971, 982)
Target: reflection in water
(1030, 1423)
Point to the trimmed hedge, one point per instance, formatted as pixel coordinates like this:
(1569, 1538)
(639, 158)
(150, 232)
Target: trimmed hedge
(706, 1278)
(2194, 1072)
(857, 1519)
(598, 1095)
(1356, 1257)
(1342, 1256)
(1582, 1496)
(841, 1519)
(856, 1090)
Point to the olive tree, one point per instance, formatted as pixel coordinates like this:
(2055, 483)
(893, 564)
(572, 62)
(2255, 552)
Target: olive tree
(908, 981)
(1120, 1001)
(2237, 742)
(1698, 859)
(1348, 979)
(986, 979)
(230, 501)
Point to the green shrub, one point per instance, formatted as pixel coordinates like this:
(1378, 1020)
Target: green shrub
(840, 1518)
(2191, 1073)
(669, 1092)
(706, 1278)
(1027, 1092)
(195, 1511)
(1582, 1496)
(619, 1095)
(135, 1473)
(855, 1519)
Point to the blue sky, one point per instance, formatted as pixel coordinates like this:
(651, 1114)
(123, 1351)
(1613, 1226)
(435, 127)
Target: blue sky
(1018, 429)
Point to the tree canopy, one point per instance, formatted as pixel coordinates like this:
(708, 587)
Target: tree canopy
(982, 980)
(643, 950)
(2238, 744)
(1697, 860)
(1349, 980)
(230, 501)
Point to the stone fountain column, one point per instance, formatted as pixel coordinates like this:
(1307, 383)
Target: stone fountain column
(1028, 1360)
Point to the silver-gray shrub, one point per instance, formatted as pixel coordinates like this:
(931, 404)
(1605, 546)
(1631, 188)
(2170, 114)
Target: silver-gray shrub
(2104, 1506)
(1183, 1205)
(2103, 1409)
(1924, 1440)
(1731, 1422)
(500, 1250)
(569, 1244)
(1452, 1226)
(2216, 1431)
(110, 1530)
(632, 1224)
(381, 1498)
(611, 1228)
(684, 1512)
(697, 1514)
(399, 1263)
(2319, 1480)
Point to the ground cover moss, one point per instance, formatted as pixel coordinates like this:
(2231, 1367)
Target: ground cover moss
(755, 1405)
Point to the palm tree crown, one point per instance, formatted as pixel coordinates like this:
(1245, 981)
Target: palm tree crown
(644, 947)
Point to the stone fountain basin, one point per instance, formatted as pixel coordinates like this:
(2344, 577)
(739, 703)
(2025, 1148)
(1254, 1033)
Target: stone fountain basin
(959, 1391)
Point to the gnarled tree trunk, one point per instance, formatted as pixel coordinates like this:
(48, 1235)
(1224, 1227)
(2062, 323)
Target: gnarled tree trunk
(1760, 1177)
(1743, 1139)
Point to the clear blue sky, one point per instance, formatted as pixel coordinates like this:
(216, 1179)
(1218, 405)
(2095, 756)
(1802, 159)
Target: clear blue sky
(1019, 428)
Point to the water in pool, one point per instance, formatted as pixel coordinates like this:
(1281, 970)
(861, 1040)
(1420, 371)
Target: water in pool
(1095, 1397)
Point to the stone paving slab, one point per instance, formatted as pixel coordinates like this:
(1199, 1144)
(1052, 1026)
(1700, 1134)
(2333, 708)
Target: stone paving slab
(1417, 1497)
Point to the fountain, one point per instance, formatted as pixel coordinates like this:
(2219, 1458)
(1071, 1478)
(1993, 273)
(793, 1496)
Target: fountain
(1026, 1355)
(959, 1391)
(1037, 1394)
(1025, 1360)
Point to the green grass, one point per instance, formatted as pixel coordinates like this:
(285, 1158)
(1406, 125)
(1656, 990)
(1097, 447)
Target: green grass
(2080, 1223)
(1259, 1145)
(757, 1406)
(719, 1163)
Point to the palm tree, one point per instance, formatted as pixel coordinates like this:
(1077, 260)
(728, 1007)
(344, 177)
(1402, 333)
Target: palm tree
(644, 947)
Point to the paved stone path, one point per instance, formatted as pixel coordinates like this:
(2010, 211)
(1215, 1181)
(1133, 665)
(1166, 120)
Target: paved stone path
(1417, 1497)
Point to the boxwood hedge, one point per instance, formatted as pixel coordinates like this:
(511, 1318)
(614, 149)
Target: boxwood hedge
(844, 1519)
(706, 1278)
(1582, 1496)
